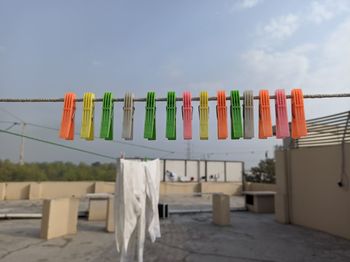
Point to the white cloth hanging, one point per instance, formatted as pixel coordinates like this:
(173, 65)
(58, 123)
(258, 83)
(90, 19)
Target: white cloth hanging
(136, 207)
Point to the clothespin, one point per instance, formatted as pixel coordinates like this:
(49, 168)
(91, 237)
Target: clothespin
(265, 124)
(68, 114)
(187, 111)
(106, 130)
(87, 122)
(298, 114)
(248, 114)
(203, 115)
(221, 113)
(150, 119)
(282, 126)
(236, 118)
(171, 116)
(128, 116)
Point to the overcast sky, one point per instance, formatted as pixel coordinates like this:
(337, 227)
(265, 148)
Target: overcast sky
(48, 48)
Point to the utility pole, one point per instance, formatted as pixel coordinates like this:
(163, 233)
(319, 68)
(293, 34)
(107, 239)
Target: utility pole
(188, 150)
(23, 124)
(21, 152)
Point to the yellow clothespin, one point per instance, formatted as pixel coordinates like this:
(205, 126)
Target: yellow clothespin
(87, 121)
(203, 115)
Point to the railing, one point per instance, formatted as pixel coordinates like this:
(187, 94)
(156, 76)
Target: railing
(328, 130)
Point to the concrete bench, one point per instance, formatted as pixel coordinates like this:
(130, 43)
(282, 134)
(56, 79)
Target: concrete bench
(98, 203)
(59, 217)
(260, 201)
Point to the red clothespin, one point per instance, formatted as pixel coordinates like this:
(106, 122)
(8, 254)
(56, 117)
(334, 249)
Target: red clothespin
(298, 114)
(265, 124)
(187, 111)
(282, 126)
(67, 123)
(221, 112)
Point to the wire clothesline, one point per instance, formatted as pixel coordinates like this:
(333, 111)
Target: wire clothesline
(161, 99)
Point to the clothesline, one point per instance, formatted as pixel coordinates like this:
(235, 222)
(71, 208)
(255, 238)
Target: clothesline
(161, 99)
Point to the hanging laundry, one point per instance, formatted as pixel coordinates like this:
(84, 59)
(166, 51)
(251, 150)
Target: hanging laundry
(150, 119)
(68, 115)
(170, 132)
(128, 116)
(221, 113)
(106, 130)
(236, 116)
(248, 114)
(282, 125)
(265, 124)
(299, 128)
(87, 121)
(187, 112)
(203, 115)
(136, 207)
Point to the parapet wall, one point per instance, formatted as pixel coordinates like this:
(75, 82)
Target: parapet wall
(47, 190)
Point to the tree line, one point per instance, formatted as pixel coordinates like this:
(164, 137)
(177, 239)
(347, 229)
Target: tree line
(66, 171)
(56, 171)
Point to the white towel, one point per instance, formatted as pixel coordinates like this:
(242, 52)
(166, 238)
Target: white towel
(136, 207)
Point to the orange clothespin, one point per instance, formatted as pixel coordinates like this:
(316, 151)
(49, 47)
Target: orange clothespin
(187, 111)
(67, 123)
(298, 114)
(221, 113)
(265, 124)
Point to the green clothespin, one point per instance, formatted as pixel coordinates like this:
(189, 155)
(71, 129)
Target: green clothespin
(106, 130)
(150, 118)
(236, 116)
(171, 116)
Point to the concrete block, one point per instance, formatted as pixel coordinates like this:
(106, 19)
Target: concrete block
(110, 225)
(99, 187)
(34, 191)
(221, 209)
(97, 209)
(2, 191)
(59, 217)
(281, 208)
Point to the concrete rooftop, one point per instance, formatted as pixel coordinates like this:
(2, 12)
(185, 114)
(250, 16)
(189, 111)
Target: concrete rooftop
(188, 237)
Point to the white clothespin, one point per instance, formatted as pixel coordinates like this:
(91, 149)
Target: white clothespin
(248, 114)
(128, 117)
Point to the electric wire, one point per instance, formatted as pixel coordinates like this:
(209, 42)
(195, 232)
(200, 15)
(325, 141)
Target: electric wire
(114, 141)
(57, 144)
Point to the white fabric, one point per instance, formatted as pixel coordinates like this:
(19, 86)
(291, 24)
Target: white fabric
(172, 176)
(136, 207)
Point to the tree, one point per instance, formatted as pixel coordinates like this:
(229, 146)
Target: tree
(264, 172)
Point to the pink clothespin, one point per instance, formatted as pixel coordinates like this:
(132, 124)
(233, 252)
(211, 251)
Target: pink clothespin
(282, 126)
(187, 110)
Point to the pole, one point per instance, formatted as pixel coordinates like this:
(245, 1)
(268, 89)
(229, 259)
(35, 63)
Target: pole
(21, 152)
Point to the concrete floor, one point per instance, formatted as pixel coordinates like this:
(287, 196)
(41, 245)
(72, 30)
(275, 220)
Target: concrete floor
(190, 237)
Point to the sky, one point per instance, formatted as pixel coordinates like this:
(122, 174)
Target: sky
(48, 48)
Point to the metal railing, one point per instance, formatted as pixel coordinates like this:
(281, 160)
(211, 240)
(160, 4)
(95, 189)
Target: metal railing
(328, 130)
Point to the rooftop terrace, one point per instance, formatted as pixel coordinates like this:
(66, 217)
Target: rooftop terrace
(187, 237)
